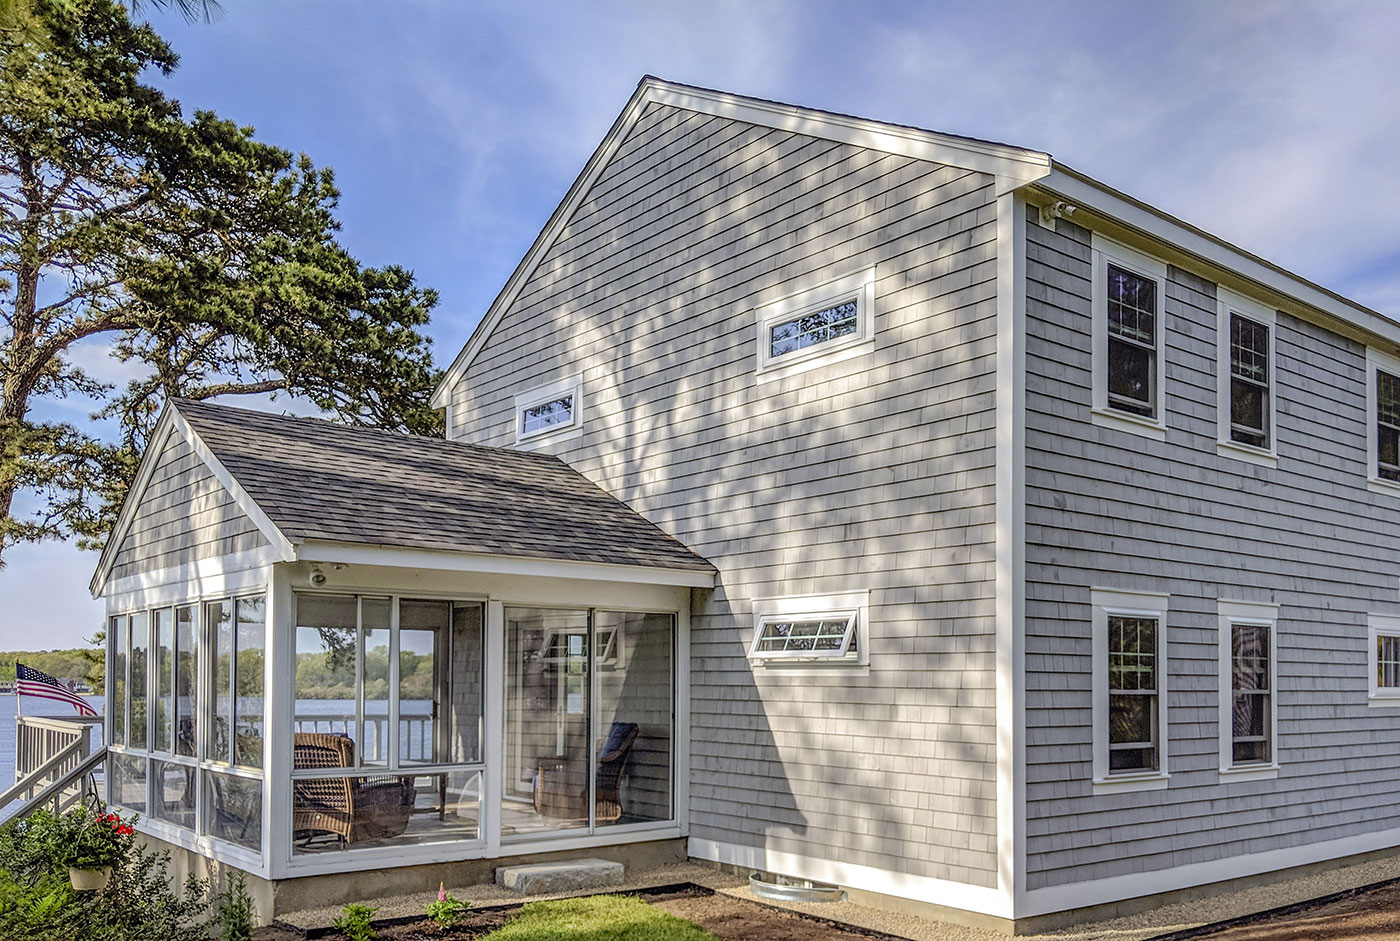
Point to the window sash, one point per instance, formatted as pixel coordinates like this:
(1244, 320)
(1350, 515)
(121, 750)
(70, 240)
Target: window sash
(1387, 425)
(1133, 673)
(1251, 688)
(1251, 369)
(832, 321)
(836, 625)
(1133, 327)
(555, 412)
(1387, 661)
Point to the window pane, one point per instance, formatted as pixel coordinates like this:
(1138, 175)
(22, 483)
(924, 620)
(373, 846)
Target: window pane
(1387, 661)
(116, 686)
(1251, 721)
(830, 323)
(219, 616)
(128, 781)
(464, 727)
(1131, 376)
(1251, 657)
(632, 753)
(1130, 720)
(186, 683)
(175, 793)
(1387, 398)
(1132, 654)
(136, 734)
(165, 678)
(374, 738)
(326, 648)
(1247, 413)
(558, 411)
(234, 808)
(1249, 349)
(1132, 306)
(1388, 441)
(424, 636)
(388, 810)
(249, 704)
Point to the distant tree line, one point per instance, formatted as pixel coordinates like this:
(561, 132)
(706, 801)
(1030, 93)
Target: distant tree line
(74, 665)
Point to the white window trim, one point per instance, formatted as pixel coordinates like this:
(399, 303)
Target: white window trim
(1105, 251)
(1376, 625)
(856, 603)
(1227, 303)
(1116, 603)
(573, 428)
(859, 287)
(1230, 613)
(1376, 360)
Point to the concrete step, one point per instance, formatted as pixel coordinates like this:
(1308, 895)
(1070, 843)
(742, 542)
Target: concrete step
(567, 876)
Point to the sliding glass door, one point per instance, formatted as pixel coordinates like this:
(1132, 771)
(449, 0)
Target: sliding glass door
(589, 713)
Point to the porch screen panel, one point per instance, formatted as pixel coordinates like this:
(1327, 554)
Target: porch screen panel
(374, 654)
(219, 617)
(463, 727)
(327, 648)
(186, 683)
(139, 714)
(164, 667)
(248, 699)
(116, 688)
(633, 656)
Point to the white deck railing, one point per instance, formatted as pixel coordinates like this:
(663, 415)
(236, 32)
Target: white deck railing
(415, 734)
(54, 762)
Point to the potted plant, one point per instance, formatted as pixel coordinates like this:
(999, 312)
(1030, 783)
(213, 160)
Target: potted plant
(97, 843)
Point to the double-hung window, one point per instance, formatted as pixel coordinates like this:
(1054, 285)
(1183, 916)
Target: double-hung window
(1383, 421)
(1129, 293)
(1248, 704)
(1245, 343)
(1129, 690)
(1383, 660)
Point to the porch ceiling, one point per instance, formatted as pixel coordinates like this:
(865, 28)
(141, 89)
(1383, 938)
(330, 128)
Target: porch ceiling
(325, 482)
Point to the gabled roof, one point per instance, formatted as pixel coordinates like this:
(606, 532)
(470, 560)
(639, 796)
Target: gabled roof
(1013, 167)
(315, 481)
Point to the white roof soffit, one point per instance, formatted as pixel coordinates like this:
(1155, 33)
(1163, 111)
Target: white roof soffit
(1119, 215)
(173, 423)
(1013, 167)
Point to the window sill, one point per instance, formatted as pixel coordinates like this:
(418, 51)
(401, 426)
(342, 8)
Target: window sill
(1247, 453)
(1381, 485)
(1383, 701)
(831, 667)
(1126, 421)
(1156, 781)
(782, 367)
(1249, 773)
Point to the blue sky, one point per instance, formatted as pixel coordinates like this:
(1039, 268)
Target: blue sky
(455, 128)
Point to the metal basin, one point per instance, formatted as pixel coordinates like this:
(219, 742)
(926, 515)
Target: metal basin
(794, 890)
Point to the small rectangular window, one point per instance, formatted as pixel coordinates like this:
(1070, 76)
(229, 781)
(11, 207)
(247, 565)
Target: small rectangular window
(1132, 342)
(1249, 382)
(1132, 694)
(1383, 660)
(551, 411)
(1248, 711)
(830, 635)
(1387, 425)
(817, 326)
(1129, 690)
(830, 323)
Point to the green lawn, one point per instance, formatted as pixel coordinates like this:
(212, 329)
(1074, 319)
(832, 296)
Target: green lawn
(597, 918)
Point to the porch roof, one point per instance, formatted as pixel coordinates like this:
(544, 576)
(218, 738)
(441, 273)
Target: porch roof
(321, 481)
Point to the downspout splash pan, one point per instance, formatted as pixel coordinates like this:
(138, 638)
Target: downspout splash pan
(783, 889)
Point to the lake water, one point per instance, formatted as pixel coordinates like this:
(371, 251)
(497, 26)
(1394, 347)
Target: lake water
(33, 707)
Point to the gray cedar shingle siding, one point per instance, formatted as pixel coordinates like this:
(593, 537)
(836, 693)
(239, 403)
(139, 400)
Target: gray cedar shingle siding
(320, 480)
(185, 515)
(1106, 508)
(872, 473)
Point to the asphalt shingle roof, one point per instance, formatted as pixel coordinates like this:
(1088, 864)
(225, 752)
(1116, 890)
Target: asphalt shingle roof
(321, 480)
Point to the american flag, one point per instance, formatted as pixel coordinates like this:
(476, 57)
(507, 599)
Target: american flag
(32, 682)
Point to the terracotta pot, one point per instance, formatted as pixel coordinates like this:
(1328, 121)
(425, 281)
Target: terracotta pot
(90, 880)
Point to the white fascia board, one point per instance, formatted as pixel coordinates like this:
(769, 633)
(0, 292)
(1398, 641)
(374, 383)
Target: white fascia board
(1012, 166)
(315, 551)
(1213, 256)
(173, 423)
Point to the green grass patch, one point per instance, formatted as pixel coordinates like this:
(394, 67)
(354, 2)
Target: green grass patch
(597, 918)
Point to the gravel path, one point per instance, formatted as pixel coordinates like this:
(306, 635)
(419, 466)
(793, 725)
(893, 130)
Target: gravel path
(1138, 927)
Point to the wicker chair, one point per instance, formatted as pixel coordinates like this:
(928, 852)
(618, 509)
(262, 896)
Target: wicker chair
(352, 809)
(557, 790)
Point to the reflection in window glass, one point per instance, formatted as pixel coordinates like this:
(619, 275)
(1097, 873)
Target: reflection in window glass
(128, 773)
(116, 688)
(248, 709)
(558, 411)
(234, 808)
(219, 617)
(186, 683)
(811, 329)
(1387, 425)
(1252, 720)
(1132, 342)
(1132, 694)
(174, 792)
(1249, 381)
(375, 651)
(632, 753)
(165, 685)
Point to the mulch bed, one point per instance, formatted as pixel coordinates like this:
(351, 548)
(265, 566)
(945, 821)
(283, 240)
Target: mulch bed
(1366, 914)
(727, 918)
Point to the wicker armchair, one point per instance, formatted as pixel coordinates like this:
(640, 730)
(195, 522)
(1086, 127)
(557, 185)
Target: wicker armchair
(562, 792)
(352, 809)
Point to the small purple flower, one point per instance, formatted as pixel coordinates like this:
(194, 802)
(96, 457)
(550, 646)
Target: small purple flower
(442, 893)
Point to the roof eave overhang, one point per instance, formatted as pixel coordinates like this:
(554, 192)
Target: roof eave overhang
(1122, 217)
(1013, 167)
(328, 552)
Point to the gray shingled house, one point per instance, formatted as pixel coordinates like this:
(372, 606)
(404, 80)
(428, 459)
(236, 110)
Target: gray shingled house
(824, 497)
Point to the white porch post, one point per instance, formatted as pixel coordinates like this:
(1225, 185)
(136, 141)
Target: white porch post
(278, 705)
(494, 724)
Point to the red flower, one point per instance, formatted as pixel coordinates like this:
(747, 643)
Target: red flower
(124, 831)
